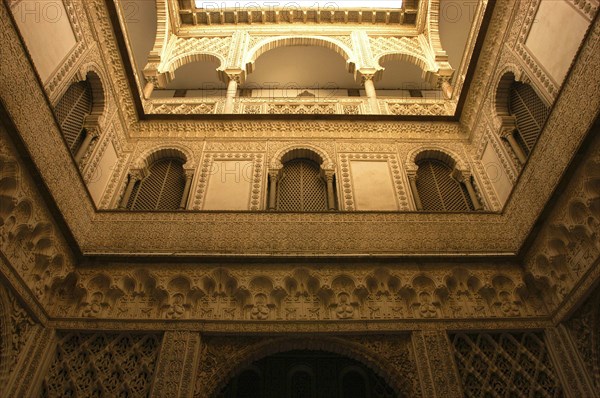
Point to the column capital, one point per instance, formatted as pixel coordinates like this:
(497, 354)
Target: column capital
(153, 75)
(91, 121)
(237, 75)
(137, 174)
(92, 131)
(368, 74)
(367, 77)
(443, 75)
(508, 124)
(189, 173)
(153, 80)
(274, 173)
(329, 173)
(461, 175)
(157, 80)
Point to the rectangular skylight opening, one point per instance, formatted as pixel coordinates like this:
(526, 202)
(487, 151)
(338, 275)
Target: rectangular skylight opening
(290, 5)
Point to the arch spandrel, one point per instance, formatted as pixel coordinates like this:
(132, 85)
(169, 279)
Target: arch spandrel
(221, 362)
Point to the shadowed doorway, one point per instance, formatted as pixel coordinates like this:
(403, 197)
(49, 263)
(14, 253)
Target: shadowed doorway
(307, 374)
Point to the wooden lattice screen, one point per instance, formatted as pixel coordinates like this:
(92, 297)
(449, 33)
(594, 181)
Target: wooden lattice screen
(162, 189)
(71, 111)
(301, 187)
(438, 190)
(505, 365)
(102, 365)
(530, 114)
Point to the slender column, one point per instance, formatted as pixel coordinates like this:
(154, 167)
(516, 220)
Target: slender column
(371, 93)
(466, 179)
(412, 178)
(235, 78)
(189, 175)
(134, 176)
(330, 192)
(90, 135)
(447, 89)
(273, 177)
(514, 145)
(148, 89)
(369, 86)
(507, 130)
(230, 98)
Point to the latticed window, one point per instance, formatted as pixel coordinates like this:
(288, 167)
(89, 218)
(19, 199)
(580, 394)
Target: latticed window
(102, 365)
(530, 114)
(301, 187)
(505, 365)
(437, 189)
(162, 189)
(71, 111)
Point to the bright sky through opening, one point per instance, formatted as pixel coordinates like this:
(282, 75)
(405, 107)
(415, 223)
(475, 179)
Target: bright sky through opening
(265, 5)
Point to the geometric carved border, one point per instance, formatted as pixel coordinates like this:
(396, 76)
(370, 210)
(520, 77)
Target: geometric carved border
(437, 370)
(208, 166)
(530, 62)
(394, 166)
(177, 364)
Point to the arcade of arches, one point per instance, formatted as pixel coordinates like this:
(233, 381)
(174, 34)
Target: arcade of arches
(353, 202)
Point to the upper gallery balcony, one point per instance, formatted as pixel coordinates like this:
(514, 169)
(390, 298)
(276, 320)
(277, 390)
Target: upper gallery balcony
(398, 58)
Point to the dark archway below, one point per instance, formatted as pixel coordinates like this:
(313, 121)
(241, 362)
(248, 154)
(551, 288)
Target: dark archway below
(307, 374)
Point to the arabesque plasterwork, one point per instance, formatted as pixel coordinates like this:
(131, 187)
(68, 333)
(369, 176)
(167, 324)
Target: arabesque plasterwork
(385, 288)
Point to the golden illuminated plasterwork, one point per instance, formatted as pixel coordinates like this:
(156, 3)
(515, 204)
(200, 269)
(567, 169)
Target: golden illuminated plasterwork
(196, 295)
(237, 45)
